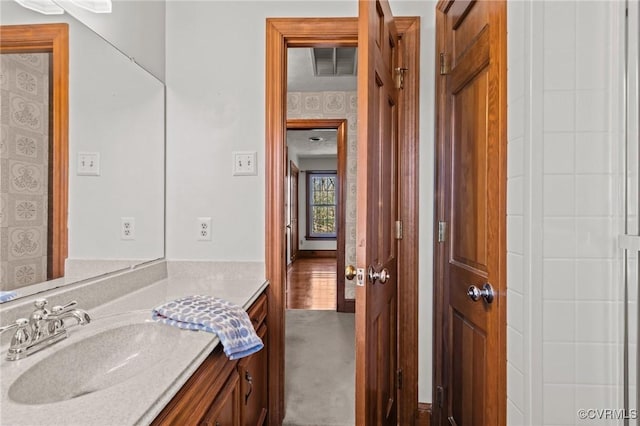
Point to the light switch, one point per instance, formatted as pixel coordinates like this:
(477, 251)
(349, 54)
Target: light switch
(88, 164)
(244, 163)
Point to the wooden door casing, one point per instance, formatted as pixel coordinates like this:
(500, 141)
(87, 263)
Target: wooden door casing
(340, 125)
(470, 337)
(282, 33)
(293, 206)
(376, 302)
(53, 38)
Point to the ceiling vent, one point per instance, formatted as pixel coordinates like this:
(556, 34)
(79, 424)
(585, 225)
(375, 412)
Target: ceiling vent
(334, 61)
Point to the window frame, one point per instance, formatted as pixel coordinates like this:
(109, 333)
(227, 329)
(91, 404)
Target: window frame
(309, 211)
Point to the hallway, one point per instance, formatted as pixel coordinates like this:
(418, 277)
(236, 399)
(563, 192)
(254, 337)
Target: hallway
(319, 368)
(320, 352)
(311, 284)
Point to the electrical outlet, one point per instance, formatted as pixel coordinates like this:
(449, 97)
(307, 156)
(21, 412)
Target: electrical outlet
(127, 228)
(88, 164)
(204, 229)
(244, 163)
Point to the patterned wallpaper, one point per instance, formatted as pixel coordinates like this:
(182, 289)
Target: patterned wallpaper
(336, 105)
(24, 157)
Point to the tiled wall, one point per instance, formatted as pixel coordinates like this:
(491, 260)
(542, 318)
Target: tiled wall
(336, 105)
(24, 157)
(517, 182)
(563, 208)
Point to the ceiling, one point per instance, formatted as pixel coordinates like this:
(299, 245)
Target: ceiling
(301, 78)
(299, 143)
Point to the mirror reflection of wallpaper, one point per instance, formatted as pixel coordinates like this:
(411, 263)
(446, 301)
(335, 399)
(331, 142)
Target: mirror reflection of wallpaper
(24, 157)
(336, 105)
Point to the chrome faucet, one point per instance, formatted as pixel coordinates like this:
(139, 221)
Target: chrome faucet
(43, 328)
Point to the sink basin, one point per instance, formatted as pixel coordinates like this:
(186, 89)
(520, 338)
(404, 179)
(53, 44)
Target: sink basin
(96, 362)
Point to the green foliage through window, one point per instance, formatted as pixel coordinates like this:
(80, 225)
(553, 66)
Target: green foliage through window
(322, 204)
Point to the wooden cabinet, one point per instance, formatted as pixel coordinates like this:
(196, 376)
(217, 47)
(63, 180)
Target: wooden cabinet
(253, 385)
(223, 392)
(225, 409)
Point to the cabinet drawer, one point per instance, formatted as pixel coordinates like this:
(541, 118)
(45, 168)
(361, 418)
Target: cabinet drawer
(194, 398)
(258, 311)
(225, 409)
(253, 385)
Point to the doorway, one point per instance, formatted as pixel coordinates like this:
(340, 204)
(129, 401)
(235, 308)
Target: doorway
(288, 32)
(317, 210)
(39, 222)
(320, 139)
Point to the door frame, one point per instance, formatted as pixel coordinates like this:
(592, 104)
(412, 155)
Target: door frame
(340, 125)
(54, 39)
(293, 242)
(282, 33)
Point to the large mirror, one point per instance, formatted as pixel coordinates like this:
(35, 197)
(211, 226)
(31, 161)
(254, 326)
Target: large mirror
(116, 131)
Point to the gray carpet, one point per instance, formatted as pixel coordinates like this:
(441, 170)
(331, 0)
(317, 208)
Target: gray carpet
(319, 368)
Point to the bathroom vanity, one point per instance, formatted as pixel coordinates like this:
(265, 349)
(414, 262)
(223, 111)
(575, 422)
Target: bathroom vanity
(124, 368)
(224, 392)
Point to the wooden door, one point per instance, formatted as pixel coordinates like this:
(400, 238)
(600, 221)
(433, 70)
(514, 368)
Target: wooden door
(376, 289)
(293, 214)
(470, 375)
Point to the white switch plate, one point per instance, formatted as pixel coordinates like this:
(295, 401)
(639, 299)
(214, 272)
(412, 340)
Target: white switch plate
(244, 163)
(88, 164)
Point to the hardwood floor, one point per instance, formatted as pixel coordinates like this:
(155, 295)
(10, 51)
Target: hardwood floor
(311, 284)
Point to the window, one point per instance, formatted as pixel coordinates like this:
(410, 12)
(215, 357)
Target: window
(322, 197)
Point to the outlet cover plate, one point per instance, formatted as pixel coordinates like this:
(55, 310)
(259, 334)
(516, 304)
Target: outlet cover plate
(204, 229)
(245, 163)
(127, 228)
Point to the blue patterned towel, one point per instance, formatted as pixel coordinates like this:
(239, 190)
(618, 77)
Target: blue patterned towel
(229, 321)
(5, 296)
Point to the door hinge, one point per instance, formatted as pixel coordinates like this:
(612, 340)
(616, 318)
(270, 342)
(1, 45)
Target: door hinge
(399, 378)
(444, 64)
(400, 77)
(442, 232)
(398, 229)
(439, 396)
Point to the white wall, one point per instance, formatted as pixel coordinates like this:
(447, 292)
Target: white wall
(563, 210)
(136, 27)
(215, 96)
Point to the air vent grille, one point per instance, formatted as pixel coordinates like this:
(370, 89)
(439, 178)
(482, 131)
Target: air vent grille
(334, 61)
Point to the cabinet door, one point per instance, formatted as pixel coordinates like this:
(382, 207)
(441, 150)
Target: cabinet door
(253, 384)
(225, 410)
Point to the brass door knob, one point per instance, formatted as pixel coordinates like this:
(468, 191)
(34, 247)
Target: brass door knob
(350, 272)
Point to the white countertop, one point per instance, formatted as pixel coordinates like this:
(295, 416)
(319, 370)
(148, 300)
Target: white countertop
(139, 399)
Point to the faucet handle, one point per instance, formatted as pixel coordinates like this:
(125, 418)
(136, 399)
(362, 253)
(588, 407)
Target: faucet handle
(22, 334)
(60, 309)
(20, 322)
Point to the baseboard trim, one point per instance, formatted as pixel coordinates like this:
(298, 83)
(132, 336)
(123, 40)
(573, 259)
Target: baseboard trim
(424, 414)
(348, 306)
(307, 254)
